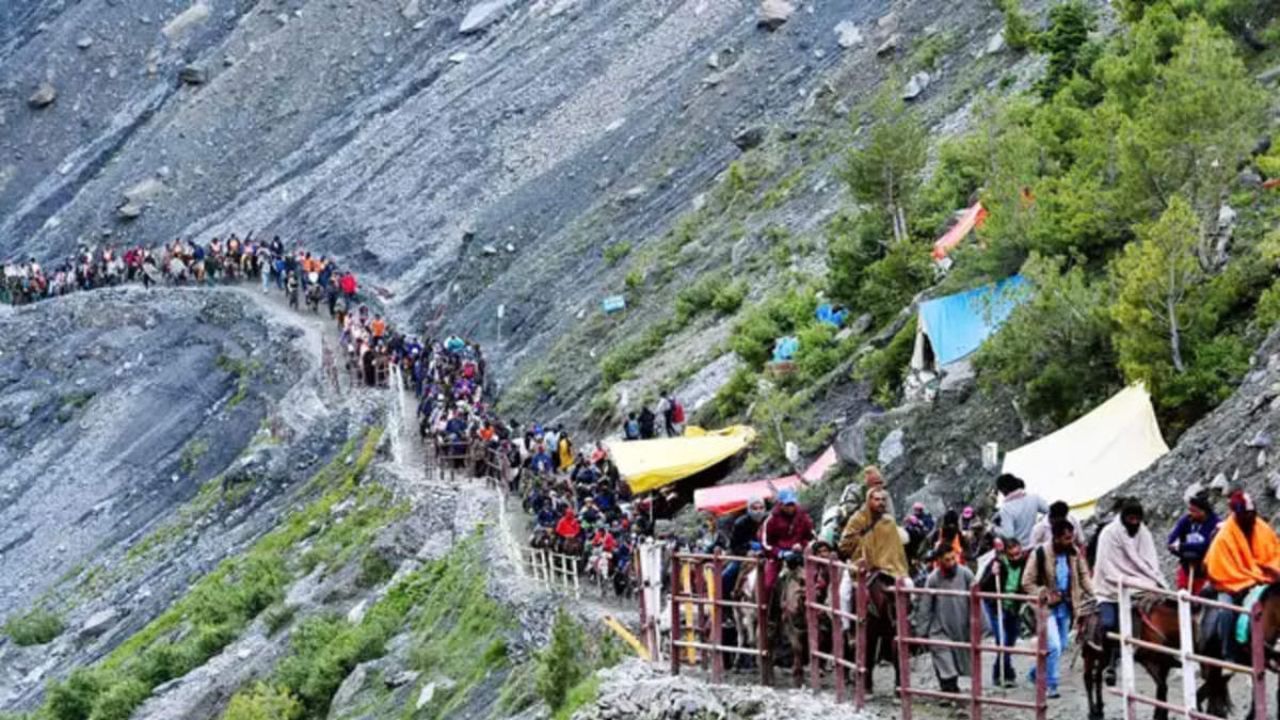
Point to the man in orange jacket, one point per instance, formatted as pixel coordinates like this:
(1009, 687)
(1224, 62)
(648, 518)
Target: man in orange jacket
(1244, 554)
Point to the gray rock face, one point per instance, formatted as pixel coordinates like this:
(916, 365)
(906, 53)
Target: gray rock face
(848, 35)
(483, 15)
(97, 623)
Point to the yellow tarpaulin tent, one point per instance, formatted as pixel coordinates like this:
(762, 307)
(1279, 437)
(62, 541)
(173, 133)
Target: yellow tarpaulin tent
(650, 464)
(1093, 455)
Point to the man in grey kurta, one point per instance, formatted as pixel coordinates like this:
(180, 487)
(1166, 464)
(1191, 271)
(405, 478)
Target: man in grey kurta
(943, 617)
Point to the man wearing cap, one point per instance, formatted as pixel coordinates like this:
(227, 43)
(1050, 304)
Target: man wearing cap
(788, 528)
(1244, 554)
(745, 533)
(926, 519)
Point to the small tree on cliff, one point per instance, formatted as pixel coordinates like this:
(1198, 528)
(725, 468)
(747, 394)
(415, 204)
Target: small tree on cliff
(885, 172)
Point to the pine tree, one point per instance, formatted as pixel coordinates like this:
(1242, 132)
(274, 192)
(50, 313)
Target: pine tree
(885, 171)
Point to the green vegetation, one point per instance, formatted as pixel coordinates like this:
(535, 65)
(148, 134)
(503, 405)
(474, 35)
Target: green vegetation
(220, 605)
(613, 254)
(263, 703)
(1018, 34)
(36, 627)
(192, 453)
(243, 370)
(886, 368)
(559, 666)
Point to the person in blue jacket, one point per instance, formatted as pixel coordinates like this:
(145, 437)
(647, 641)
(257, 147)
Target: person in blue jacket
(1189, 541)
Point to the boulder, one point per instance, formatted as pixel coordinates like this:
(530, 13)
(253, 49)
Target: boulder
(186, 19)
(1249, 178)
(489, 250)
(98, 623)
(848, 35)
(749, 137)
(193, 75)
(458, 58)
(482, 15)
(996, 44)
(892, 447)
(129, 211)
(889, 46)
(774, 14)
(43, 97)
(85, 42)
(916, 85)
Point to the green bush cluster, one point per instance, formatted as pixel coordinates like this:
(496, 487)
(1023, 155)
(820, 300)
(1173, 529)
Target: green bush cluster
(36, 627)
(885, 369)
(263, 702)
(561, 665)
(613, 254)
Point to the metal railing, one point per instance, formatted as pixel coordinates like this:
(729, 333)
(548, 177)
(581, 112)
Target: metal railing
(698, 605)
(836, 573)
(1185, 654)
(975, 647)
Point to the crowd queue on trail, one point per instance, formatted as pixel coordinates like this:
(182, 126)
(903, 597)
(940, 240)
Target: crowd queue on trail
(579, 505)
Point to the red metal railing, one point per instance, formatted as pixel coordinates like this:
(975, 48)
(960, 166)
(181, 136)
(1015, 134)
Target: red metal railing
(975, 647)
(1185, 653)
(836, 573)
(701, 595)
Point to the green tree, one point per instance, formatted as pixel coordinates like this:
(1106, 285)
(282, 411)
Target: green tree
(885, 171)
(854, 242)
(1200, 116)
(1018, 34)
(1066, 43)
(1054, 350)
(560, 665)
(1154, 279)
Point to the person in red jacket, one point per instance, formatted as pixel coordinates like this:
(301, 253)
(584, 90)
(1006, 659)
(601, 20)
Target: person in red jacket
(788, 528)
(348, 286)
(568, 527)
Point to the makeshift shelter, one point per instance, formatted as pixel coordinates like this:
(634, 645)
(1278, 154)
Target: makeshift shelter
(1093, 455)
(725, 499)
(970, 219)
(951, 328)
(647, 465)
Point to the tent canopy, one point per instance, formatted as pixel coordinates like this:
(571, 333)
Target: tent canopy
(650, 464)
(971, 218)
(725, 499)
(956, 325)
(1093, 455)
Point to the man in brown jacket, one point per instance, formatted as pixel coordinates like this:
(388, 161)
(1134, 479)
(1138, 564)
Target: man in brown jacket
(871, 537)
(1058, 567)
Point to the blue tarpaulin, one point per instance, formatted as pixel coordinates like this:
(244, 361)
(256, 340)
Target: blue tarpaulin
(956, 325)
(784, 348)
(614, 303)
(831, 316)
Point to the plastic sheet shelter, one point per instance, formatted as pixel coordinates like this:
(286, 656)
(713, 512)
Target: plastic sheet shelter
(725, 499)
(951, 328)
(1093, 455)
(970, 219)
(651, 464)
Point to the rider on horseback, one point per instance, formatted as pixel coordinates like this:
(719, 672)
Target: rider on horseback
(1126, 551)
(1244, 554)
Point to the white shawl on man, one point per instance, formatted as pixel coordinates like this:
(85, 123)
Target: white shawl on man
(1120, 556)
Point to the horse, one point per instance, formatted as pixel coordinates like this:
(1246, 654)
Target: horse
(746, 619)
(598, 563)
(1154, 622)
(795, 623)
(1216, 680)
(881, 623)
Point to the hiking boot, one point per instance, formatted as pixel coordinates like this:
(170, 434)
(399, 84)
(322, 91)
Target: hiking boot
(1053, 694)
(1109, 677)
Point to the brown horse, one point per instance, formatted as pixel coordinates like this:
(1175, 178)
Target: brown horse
(1155, 623)
(882, 628)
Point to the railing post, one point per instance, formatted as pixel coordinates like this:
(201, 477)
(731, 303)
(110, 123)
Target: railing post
(675, 613)
(1128, 686)
(901, 603)
(861, 599)
(699, 583)
(1258, 659)
(811, 620)
(835, 577)
(1042, 654)
(1187, 648)
(975, 653)
(762, 622)
(717, 619)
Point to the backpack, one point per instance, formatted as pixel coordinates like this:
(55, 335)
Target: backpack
(677, 412)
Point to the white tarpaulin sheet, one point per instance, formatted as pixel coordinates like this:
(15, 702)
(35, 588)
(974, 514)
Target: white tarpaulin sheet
(1093, 455)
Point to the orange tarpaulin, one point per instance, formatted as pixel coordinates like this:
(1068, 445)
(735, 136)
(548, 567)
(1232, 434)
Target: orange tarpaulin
(970, 219)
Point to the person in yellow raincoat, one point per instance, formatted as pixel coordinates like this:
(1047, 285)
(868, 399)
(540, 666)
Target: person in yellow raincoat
(566, 452)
